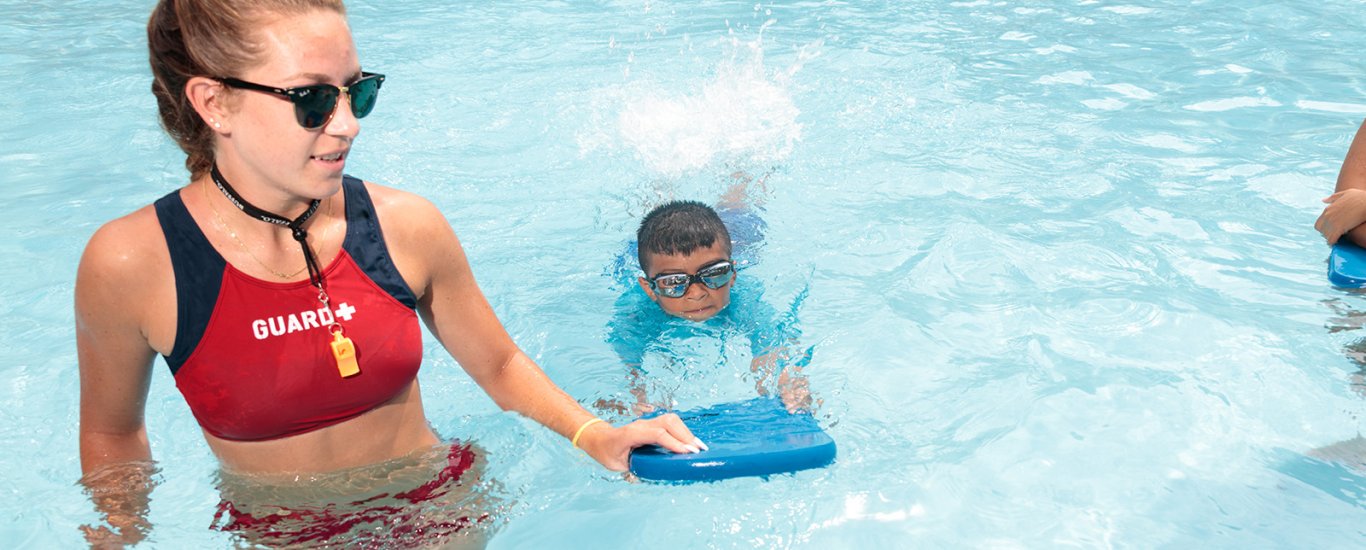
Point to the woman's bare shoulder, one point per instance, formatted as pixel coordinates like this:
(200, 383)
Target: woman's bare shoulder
(389, 198)
(405, 212)
(126, 250)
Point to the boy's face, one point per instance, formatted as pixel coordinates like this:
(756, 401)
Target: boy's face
(698, 303)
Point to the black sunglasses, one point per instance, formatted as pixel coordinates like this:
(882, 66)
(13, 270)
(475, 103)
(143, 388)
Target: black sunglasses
(675, 285)
(315, 104)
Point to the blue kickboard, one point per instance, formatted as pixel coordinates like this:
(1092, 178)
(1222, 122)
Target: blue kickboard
(1347, 265)
(757, 437)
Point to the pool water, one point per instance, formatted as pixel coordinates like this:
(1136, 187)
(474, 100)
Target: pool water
(1062, 285)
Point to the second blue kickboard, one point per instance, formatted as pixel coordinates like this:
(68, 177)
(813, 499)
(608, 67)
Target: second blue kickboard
(1347, 265)
(757, 437)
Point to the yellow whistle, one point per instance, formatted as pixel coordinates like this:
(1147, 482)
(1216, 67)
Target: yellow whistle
(345, 352)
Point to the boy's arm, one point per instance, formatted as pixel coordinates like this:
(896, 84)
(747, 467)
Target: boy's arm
(628, 335)
(776, 344)
(740, 195)
(792, 385)
(739, 210)
(636, 387)
(778, 353)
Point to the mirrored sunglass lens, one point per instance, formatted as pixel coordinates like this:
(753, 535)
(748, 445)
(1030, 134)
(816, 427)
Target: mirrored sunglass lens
(716, 276)
(363, 94)
(315, 107)
(672, 280)
(715, 281)
(712, 271)
(672, 286)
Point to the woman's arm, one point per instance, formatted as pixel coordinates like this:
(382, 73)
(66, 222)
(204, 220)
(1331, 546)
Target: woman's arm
(112, 285)
(456, 312)
(1346, 207)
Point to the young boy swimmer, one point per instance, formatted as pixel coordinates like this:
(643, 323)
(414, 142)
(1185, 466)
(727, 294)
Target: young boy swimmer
(689, 271)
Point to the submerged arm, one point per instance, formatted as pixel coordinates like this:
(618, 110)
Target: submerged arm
(778, 352)
(792, 385)
(115, 372)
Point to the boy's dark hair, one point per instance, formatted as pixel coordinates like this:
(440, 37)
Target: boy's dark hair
(679, 227)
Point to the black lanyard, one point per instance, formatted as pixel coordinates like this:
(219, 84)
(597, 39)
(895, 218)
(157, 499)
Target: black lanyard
(315, 273)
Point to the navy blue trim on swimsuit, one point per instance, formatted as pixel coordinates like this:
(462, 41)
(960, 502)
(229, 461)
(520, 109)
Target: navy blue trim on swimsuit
(198, 276)
(199, 267)
(365, 243)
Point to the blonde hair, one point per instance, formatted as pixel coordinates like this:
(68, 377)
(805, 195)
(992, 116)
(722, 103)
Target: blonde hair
(189, 38)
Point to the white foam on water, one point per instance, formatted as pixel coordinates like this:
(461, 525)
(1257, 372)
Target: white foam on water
(742, 114)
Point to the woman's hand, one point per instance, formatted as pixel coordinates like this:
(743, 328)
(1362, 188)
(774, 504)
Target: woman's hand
(612, 445)
(1345, 211)
(121, 493)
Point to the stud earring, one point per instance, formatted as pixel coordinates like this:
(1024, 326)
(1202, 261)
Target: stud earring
(215, 123)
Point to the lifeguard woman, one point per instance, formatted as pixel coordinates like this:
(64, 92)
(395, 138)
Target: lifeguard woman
(284, 295)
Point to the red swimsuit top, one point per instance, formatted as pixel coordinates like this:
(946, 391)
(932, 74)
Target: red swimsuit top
(254, 359)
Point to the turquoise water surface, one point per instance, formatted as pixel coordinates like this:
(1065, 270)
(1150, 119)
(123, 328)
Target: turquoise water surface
(1061, 282)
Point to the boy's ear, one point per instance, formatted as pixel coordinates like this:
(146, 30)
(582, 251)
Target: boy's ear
(645, 285)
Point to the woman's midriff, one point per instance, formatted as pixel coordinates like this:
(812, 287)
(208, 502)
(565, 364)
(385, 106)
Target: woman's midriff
(396, 428)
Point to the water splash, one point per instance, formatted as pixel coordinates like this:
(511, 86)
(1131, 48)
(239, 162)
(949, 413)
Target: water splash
(742, 115)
